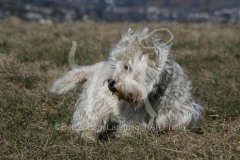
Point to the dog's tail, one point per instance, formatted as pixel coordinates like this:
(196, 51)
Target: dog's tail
(72, 78)
(71, 56)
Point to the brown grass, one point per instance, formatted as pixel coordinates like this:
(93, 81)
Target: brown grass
(35, 124)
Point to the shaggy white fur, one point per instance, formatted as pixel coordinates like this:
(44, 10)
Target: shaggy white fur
(139, 73)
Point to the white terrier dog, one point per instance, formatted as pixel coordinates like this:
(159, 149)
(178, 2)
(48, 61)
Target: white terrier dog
(139, 84)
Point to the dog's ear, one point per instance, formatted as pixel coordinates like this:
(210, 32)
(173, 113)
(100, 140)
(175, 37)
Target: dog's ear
(153, 51)
(165, 48)
(130, 31)
(147, 46)
(145, 31)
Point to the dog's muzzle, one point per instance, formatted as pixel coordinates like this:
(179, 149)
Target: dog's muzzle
(111, 83)
(121, 96)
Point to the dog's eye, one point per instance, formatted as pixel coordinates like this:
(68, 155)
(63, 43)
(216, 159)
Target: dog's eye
(126, 67)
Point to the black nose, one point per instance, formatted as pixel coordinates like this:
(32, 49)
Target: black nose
(111, 82)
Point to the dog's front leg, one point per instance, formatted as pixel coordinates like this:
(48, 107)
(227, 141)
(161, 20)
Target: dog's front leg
(90, 119)
(87, 123)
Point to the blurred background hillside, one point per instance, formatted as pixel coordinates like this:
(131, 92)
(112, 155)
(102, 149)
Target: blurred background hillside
(52, 11)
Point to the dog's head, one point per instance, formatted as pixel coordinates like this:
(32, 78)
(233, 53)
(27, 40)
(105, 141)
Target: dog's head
(137, 60)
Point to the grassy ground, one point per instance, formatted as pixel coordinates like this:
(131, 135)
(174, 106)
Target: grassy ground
(35, 124)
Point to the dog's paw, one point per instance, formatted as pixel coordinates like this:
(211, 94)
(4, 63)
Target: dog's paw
(89, 135)
(198, 130)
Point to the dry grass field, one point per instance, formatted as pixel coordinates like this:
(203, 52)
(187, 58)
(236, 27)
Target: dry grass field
(35, 124)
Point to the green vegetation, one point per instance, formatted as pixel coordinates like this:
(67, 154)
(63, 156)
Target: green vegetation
(35, 124)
